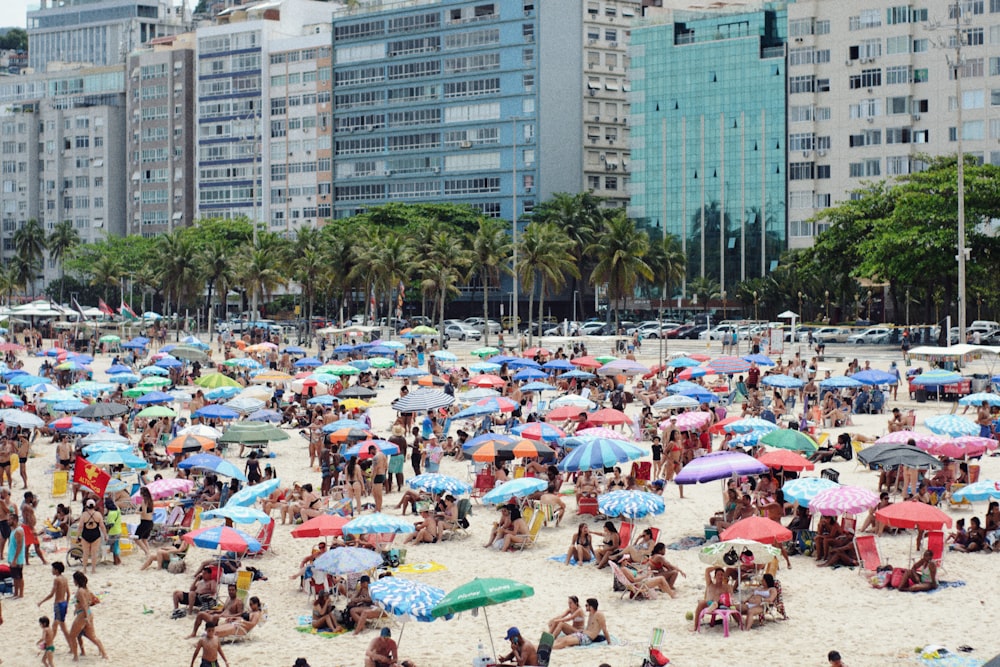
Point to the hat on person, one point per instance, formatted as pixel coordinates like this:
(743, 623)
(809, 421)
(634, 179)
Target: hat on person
(511, 633)
(386, 632)
(91, 503)
(397, 429)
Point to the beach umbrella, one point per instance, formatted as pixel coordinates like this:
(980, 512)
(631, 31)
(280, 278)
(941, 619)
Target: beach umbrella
(538, 386)
(675, 402)
(573, 400)
(756, 528)
(439, 484)
(486, 380)
(382, 363)
(759, 359)
(783, 459)
(406, 598)
(521, 362)
(238, 514)
(913, 514)
(224, 538)
(216, 380)
(683, 362)
(252, 432)
(590, 453)
(484, 367)
(528, 374)
(431, 381)
(539, 431)
(10, 400)
(484, 352)
(153, 370)
(347, 560)
(271, 376)
(91, 388)
(97, 437)
(60, 396)
(498, 439)
(360, 449)
(126, 459)
(73, 405)
(167, 488)
(423, 330)
(515, 488)
(248, 495)
(377, 523)
(202, 430)
(12, 347)
(155, 398)
(843, 500)
(688, 421)
(443, 355)
(623, 367)
(307, 362)
(577, 375)
(839, 382)
(215, 412)
(588, 362)
(558, 365)
(782, 382)
(729, 365)
(951, 425)
(786, 438)
(631, 504)
(156, 411)
(114, 486)
(609, 416)
(222, 393)
(272, 416)
(411, 372)
(494, 450)
(497, 404)
(985, 489)
(748, 424)
(155, 382)
(715, 554)
(925, 440)
(977, 399)
(473, 395)
(804, 489)
(357, 391)
(481, 593)
(695, 372)
(118, 368)
(101, 447)
(596, 432)
(719, 465)
(169, 362)
(124, 378)
(874, 377)
(244, 406)
(748, 440)
(214, 464)
(323, 525)
(423, 400)
(345, 434)
(936, 378)
(473, 411)
(26, 380)
(966, 446)
(893, 456)
(341, 424)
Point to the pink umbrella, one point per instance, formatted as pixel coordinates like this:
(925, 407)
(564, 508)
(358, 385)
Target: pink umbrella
(922, 440)
(843, 500)
(985, 443)
(688, 421)
(166, 488)
(757, 528)
(600, 432)
(957, 450)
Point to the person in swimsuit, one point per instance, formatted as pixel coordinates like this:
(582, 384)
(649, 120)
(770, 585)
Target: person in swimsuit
(922, 576)
(145, 527)
(380, 467)
(324, 616)
(752, 609)
(210, 648)
(28, 522)
(60, 598)
(23, 451)
(64, 454)
(83, 624)
(582, 547)
(355, 486)
(426, 529)
(717, 591)
(571, 621)
(17, 553)
(610, 545)
(360, 606)
(92, 531)
(48, 641)
(252, 469)
(381, 651)
(6, 509)
(307, 507)
(595, 630)
(232, 609)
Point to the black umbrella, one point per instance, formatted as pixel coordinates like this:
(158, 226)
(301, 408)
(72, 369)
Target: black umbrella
(893, 456)
(357, 391)
(102, 410)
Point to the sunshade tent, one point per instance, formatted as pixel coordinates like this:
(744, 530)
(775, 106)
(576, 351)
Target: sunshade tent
(481, 593)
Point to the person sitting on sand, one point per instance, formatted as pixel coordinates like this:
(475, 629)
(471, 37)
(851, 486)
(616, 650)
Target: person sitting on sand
(570, 621)
(595, 630)
(210, 648)
(871, 524)
(522, 652)
(610, 545)
(164, 554)
(516, 533)
(841, 553)
(752, 609)
(582, 547)
(500, 526)
(244, 623)
(718, 593)
(976, 536)
(324, 615)
(426, 530)
(360, 606)
(232, 609)
(382, 651)
(641, 549)
(922, 576)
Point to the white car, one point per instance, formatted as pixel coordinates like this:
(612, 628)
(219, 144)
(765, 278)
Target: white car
(591, 328)
(462, 331)
(651, 329)
(871, 336)
(827, 335)
(481, 324)
(717, 333)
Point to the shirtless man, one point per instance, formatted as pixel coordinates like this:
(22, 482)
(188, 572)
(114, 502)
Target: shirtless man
(28, 521)
(382, 650)
(984, 420)
(201, 589)
(233, 609)
(380, 468)
(717, 589)
(596, 627)
(210, 648)
(60, 598)
(6, 450)
(64, 454)
(23, 451)
(522, 652)
(5, 512)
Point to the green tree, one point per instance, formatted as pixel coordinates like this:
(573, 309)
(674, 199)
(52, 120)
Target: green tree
(544, 260)
(491, 250)
(216, 264)
(580, 216)
(620, 250)
(264, 268)
(668, 264)
(29, 244)
(178, 271)
(106, 272)
(60, 243)
(705, 289)
(14, 39)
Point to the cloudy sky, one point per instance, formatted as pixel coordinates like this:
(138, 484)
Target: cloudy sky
(12, 12)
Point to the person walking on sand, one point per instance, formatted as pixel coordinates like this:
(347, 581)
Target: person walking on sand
(60, 598)
(17, 553)
(83, 617)
(210, 649)
(47, 644)
(380, 468)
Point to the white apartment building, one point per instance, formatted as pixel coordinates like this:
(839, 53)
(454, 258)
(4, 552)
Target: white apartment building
(871, 86)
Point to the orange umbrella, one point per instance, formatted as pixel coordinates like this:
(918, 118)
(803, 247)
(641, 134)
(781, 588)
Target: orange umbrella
(190, 443)
(324, 525)
(537, 351)
(506, 451)
(757, 528)
(913, 514)
(563, 412)
(586, 362)
(345, 434)
(608, 416)
(487, 381)
(431, 381)
(698, 356)
(240, 343)
(784, 459)
(719, 426)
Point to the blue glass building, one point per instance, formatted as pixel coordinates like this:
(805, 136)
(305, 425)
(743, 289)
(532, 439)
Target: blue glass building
(708, 138)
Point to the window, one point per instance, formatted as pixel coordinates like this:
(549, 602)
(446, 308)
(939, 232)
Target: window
(866, 108)
(802, 84)
(800, 171)
(868, 78)
(898, 44)
(801, 142)
(994, 66)
(897, 74)
(973, 130)
(897, 135)
(801, 200)
(972, 68)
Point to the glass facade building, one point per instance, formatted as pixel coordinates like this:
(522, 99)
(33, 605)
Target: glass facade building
(708, 138)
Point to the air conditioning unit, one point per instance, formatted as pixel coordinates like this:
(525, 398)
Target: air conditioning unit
(613, 45)
(465, 144)
(611, 68)
(870, 90)
(805, 153)
(597, 119)
(821, 153)
(870, 119)
(592, 92)
(916, 116)
(437, 170)
(529, 189)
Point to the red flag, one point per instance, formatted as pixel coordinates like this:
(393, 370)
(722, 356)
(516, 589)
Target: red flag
(104, 308)
(125, 310)
(88, 475)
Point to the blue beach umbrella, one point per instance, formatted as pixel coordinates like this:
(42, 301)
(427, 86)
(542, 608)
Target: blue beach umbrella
(439, 484)
(126, 459)
(308, 362)
(530, 374)
(538, 386)
(749, 424)
(683, 362)
(347, 560)
(377, 523)
(936, 378)
(222, 393)
(839, 382)
(293, 350)
(631, 504)
(237, 514)
(874, 377)
(951, 425)
(154, 370)
(384, 446)
(216, 412)
(804, 489)
(102, 447)
(248, 495)
(558, 365)
(595, 453)
(344, 423)
(324, 399)
(979, 397)
(118, 368)
(154, 398)
(515, 488)
(759, 359)
(484, 367)
(577, 375)
(782, 382)
(213, 463)
(411, 599)
(272, 416)
(169, 362)
(985, 489)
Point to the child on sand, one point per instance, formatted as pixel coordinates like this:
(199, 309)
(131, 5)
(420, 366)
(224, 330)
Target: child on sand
(210, 648)
(47, 644)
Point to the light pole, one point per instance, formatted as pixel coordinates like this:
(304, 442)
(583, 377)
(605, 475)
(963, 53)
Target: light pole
(575, 293)
(907, 307)
(800, 305)
(869, 305)
(723, 295)
(826, 298)
(755, 318)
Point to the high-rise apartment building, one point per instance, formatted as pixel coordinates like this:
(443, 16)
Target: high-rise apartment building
(62, 155)
(482, 103)
(708, 137)
(871, 87)
(161, 136)
(98, 32)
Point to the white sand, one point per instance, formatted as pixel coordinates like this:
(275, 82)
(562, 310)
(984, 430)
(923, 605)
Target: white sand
(828, 609)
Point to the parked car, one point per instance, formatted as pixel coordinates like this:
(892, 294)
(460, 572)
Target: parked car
(717, 333)
(652, 329)
(481, 324)
(826, 335)
(679, 331)
(871, 336)
(598, 329)
(694, 332)
(461, 331)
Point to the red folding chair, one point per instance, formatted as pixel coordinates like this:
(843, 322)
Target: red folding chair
(935, 542)
(484, 483)
(587, 505)
(642, 472)
(625, 534)
(868, 555)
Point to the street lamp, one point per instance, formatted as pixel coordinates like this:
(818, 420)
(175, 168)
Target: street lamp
(869, 305)
(723, 295)
(826, 298)
(576, 293)
(755, 318)
(907, 307)
(800, 305)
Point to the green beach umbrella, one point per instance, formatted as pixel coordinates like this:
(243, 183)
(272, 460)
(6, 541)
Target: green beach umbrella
(606, 359)
(381, 363)
(423, 330)
(216, 380)
(136, 392)
(252, 432)
(154, 382)
(485, 352)
(110, 338)
(786, 438)
(481, 593)
(156, 411)
(342, 370)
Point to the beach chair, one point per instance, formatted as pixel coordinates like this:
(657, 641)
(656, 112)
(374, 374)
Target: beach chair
(642, 472)
(587, 505)
(60, 483)
(625, 534)
(869, 558)
(935, 542)
(776, 607)
(849, 524)
(244, 578)
(725, 614)
(958, 504)
(635, 590)
(534, 527)
(656, 638)
(974, 473)
(170, 525)
(484, 483)
(264, 536)
(456, 528)
(544, 652)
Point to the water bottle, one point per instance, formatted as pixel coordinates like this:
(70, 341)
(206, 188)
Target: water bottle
(483, 658)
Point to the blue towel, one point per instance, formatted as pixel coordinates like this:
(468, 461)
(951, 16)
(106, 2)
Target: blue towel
(945, 584)
(687, 543)
(572, 561)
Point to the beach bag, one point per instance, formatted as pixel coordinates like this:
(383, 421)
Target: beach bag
(176, 566)
(731, 557)
(896, 580)
(616, 585)
(655, 659)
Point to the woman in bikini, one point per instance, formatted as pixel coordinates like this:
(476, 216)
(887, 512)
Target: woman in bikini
(324, 615)
(752, 609)
(83, 617)
(571, 621)
(308, 505)
(610, 545)
(355, 485)
(92, 532)
(242, 625)
(145, 528)
(581, 549)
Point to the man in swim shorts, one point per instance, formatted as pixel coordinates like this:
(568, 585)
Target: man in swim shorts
(210, 648)
(595, 630)
(60, 598)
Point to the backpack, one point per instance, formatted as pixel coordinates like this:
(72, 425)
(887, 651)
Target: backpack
(618, 399)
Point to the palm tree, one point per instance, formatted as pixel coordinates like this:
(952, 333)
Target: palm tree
(8, 281)
(447, 262)
(178, 269)
(668, 262)
(544, 255)
(105, 272)
(263, 267)
(61, 241)
(620, 249)
(391, 261)
(216, 264)
(29, 244)
(580, 217)
(705, 289)
(491, 248)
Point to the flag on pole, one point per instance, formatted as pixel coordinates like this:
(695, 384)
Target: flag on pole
(400, 296)
(79, 309)
(87, 474)
(126, 311)
(104, 308)
(371, 303)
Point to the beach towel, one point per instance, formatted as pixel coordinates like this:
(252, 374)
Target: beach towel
(945, 584)
(687, 543)
(951, 660)
(572, 561)
(305, 627)
(610, 641)
(419, 568)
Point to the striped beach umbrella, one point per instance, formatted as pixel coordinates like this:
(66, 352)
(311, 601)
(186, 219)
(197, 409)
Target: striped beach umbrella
(224, 538)
(688, 421)
(515, 488)
(377, 523)
(403, 597)
(748, 424)
(719, 465)
(422, 400)
(977, 399)
(951, 425)
(590, 453)
(539, 431)
(439, 484)
(495, 450)
(729, 365)
(984, 489)
(804, 489)
(786, 438)
(843, 500)
(238, 514)
(675, 402)
(631, 504)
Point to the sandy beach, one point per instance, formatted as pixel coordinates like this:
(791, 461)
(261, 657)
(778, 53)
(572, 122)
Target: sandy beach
(828, 609)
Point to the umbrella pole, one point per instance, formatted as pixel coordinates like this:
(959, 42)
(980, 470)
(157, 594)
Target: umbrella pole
(490, 633)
